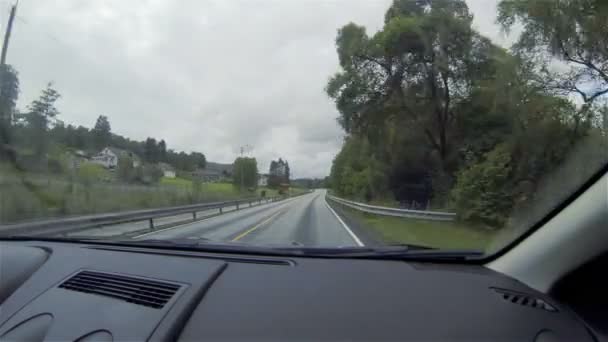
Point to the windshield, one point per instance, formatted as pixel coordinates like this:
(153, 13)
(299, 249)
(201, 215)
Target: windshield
(451, 125)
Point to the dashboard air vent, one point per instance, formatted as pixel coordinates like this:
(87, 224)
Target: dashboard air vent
(524, 300)
(150, 293)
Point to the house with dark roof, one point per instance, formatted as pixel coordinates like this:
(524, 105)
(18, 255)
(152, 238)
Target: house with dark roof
(213, 172)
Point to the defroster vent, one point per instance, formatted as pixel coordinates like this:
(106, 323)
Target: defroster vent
(140, 291)
(524, 299)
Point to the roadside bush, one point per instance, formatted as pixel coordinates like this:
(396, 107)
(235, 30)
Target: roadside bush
(89, 173)
(482, 193)
(148, 174)
(125, 171)
(55, 166)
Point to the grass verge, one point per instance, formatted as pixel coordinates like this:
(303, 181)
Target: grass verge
(436, 234)
(226, 189)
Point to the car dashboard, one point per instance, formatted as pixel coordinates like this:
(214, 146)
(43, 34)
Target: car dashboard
(51, 291)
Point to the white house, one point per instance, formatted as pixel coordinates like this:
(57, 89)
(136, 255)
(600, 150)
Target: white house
(262, 180)
(107, 158)
(168, 170)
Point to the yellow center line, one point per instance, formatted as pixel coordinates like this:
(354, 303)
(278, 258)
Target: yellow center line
(242, 235)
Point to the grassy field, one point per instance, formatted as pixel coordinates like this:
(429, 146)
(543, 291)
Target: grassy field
(448, 235)
(44, 196)
(31, 196)
(176, 182)
(226, 189)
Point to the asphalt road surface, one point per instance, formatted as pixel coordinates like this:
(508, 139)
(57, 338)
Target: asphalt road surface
(305, 220)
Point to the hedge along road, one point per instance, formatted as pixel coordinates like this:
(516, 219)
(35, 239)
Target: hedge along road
(305, 220)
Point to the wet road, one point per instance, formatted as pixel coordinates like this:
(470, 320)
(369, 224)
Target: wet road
(305, 220)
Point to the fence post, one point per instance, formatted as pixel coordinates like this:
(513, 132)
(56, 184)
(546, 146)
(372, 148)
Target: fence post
(249, 204)
(194, 215)
(237, 205)
(220, 210)
(151, 223)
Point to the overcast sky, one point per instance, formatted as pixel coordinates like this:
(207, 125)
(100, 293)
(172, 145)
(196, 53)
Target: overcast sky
(205, 75)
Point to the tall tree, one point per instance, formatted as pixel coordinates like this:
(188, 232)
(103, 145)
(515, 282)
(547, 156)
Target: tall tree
(245, 173)
(434, 111)
(198, 159)
(287, 172)
(572, 31)
(162, 150)
(278, 173)
(273, 178)
(9, 93)
(411, 76)
(151, 150)
(41, 112)
(102, 132)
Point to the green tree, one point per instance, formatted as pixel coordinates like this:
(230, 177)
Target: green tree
(90, 173)
(278, 173)
(245, 174)
(80, 138)
(151, 152)
(9, 93)
(41, 112)
(102, 132)
(416, 68)
(148, 174)
(411, 79)
(162, 150)
(287, 173)
(572, 31)
(483, 192)
(273, 179)
(427, 100)
(198, 159)
(126, 172)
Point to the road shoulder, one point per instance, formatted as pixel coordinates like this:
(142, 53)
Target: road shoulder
(367, 235)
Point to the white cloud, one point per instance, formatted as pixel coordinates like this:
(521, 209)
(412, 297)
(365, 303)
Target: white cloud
(206, 75)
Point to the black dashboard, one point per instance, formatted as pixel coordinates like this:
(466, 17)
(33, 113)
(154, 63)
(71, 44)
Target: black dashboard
(87, 292)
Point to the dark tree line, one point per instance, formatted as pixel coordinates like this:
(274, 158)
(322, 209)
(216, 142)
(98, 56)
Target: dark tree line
(150, 150)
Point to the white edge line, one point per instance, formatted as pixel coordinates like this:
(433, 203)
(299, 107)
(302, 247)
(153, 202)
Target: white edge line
(350, 232)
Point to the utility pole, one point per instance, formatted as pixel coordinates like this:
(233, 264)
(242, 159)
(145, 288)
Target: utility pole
(7, 34)
(242, 179)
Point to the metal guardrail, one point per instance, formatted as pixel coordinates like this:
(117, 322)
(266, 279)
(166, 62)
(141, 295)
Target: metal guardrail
(72, 224)
(387, 211)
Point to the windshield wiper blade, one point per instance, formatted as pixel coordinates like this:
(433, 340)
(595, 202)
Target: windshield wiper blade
(176, 242)
(49, 239)
(428, 254)
(338, 251)
(393, 252)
